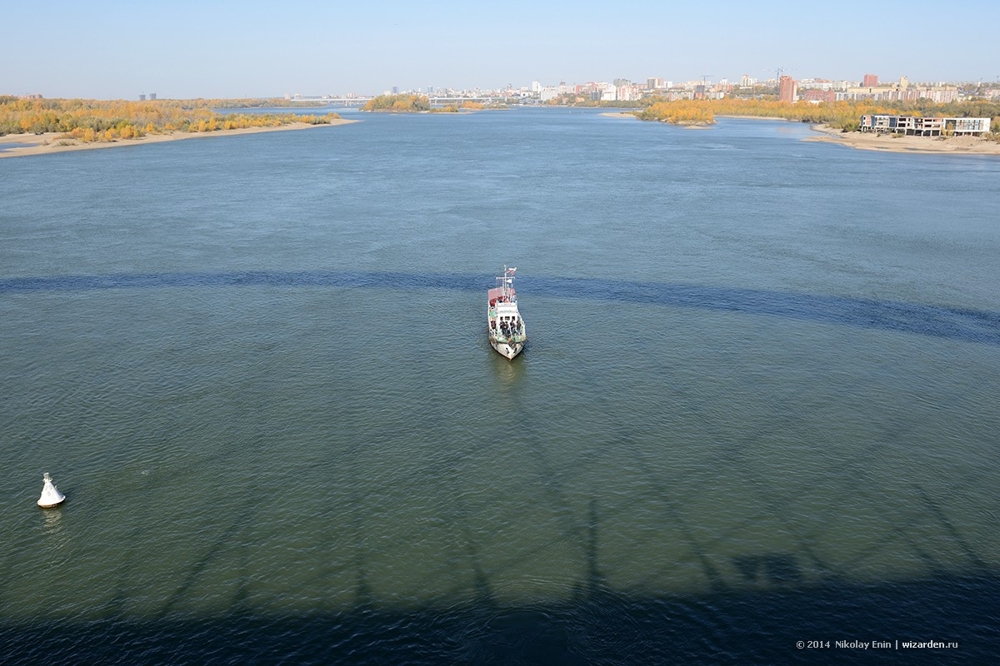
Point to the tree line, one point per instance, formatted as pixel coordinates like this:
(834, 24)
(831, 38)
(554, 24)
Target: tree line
(420, 104)
(96, 120)
(845, 116)
(398, 104)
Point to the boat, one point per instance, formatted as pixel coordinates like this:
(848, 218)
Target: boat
(504, 325)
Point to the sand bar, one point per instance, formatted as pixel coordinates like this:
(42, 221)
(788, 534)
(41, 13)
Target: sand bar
(952, 145)
(685, 124)
(58, 142)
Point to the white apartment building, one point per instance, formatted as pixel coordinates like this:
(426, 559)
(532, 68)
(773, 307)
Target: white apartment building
(917, 126)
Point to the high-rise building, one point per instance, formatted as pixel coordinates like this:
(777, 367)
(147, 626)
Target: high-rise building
(871, 80)
(786, 89)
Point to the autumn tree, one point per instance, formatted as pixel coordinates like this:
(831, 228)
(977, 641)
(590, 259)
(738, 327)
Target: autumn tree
(118, 119)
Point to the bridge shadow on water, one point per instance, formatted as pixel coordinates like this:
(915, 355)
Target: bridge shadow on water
(759, 623)
(963, 324)
(599, 626)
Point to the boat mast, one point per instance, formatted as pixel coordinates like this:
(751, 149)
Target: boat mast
(508, 280)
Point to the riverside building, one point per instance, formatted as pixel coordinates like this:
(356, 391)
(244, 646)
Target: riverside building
(916, 126)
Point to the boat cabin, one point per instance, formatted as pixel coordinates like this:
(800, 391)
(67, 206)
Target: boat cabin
(499, 295)
(503, 313)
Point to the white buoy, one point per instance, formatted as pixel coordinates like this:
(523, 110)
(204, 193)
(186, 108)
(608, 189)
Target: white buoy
(50, 494)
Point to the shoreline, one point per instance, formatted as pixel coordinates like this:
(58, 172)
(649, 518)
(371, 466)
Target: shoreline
(23, 145)
(887, 143)
(50, 142)
(953, 145)
(694, 125)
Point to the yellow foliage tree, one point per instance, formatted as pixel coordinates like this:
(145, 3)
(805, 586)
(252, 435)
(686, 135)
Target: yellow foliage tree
(113, 120)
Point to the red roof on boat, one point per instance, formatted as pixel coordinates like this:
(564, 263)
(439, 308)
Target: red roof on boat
(497, 292)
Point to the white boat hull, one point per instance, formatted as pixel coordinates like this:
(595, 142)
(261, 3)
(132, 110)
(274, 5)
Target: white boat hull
(508, 350)
(505, 328)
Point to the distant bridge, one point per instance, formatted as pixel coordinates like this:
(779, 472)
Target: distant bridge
(360, 101)
(332, 101)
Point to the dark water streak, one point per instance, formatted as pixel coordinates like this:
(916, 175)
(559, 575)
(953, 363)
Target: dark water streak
(963, 324)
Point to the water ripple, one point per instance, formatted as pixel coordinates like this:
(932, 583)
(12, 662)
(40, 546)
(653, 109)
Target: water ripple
(952, 323)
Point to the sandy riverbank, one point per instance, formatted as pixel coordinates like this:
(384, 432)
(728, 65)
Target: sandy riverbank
(954, 145)
(19, 145)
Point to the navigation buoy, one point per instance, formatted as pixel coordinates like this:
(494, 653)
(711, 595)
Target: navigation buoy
(50, 494)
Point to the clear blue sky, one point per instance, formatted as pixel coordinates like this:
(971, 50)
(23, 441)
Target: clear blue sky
(184, 49)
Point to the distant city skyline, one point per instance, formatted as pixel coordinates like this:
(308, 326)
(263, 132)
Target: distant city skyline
(187, 49)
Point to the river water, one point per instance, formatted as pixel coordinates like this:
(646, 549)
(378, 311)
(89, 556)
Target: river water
(759, 404)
